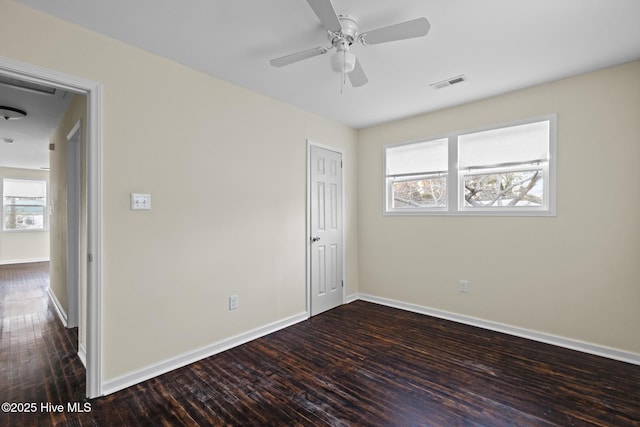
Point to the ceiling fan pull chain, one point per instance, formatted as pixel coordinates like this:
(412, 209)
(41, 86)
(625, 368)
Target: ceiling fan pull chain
(343, 74)
(342, 77)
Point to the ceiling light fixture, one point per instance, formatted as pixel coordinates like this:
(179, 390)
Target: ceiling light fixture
(343, 61)
(10, 113)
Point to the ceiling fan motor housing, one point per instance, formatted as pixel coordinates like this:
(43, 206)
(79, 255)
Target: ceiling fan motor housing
(349, 31)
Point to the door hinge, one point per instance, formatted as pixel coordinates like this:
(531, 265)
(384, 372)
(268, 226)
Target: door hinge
(343, 283)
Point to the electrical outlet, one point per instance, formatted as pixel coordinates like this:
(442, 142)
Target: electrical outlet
(233, 302)
(463, 286)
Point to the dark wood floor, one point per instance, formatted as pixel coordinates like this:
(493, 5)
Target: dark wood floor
(361, 364)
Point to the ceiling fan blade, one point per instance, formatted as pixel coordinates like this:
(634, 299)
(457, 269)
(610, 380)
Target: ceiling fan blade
(405, 30)
(327, 14)
(357, 77)
(298, 56)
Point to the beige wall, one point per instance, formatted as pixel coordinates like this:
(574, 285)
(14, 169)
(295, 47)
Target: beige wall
(226, 169)
(24, 246)
(576, 275)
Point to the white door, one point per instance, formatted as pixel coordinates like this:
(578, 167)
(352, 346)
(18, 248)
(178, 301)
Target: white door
(326, 229)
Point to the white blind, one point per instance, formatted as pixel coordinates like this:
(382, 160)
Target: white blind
(419, 158)
(511, 145)
(24, 188)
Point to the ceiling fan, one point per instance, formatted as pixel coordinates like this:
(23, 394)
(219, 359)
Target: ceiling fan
(343, 31)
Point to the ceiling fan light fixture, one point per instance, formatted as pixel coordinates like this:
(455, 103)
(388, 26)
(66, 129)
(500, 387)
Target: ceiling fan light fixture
(10, 113)
(343, 61)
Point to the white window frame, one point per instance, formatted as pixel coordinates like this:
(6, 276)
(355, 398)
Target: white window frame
(455, 178)
(45, 219)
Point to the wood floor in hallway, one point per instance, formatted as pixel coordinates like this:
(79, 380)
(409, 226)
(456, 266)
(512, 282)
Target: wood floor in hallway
(361, 364)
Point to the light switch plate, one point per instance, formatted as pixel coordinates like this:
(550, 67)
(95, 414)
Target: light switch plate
(233, 302)
(140, 202)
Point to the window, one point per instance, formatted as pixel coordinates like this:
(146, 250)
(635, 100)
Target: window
(417, 175)
(23, 204)
(507, 170)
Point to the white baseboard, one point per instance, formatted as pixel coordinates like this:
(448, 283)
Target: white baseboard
(572, 344)
(350, 298)
(62, 314)
(184, 359)
(22, 261)
(82, 354)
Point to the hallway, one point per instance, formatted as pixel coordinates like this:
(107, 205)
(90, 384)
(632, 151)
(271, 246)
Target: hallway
(34, 344)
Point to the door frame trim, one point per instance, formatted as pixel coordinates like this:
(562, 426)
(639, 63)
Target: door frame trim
(308, 233)
(74, 233)
(93, 91)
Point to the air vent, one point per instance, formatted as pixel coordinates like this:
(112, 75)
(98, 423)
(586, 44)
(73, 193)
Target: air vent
(449, 82)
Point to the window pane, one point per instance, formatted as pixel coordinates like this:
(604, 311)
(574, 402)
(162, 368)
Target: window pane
(514, 144)
(521, 188)
(23, 217)
(420, 193)
(24, 204)
(418, 158)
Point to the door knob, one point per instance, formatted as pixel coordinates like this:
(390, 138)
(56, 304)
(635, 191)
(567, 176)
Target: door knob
(315, 238)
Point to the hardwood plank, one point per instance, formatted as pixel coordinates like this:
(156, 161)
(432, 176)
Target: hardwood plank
(360, 364)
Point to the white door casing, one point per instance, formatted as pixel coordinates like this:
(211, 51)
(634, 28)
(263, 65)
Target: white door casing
(74, 233)
(326, 229)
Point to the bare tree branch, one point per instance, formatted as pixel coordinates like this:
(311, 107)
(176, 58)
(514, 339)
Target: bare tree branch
(502, 187)
(532, 182)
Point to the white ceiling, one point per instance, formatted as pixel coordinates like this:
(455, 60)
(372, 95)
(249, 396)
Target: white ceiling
(31, 134)
(499, 45)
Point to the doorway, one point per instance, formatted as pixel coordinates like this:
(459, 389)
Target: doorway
(325, 234)
(92, 90)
